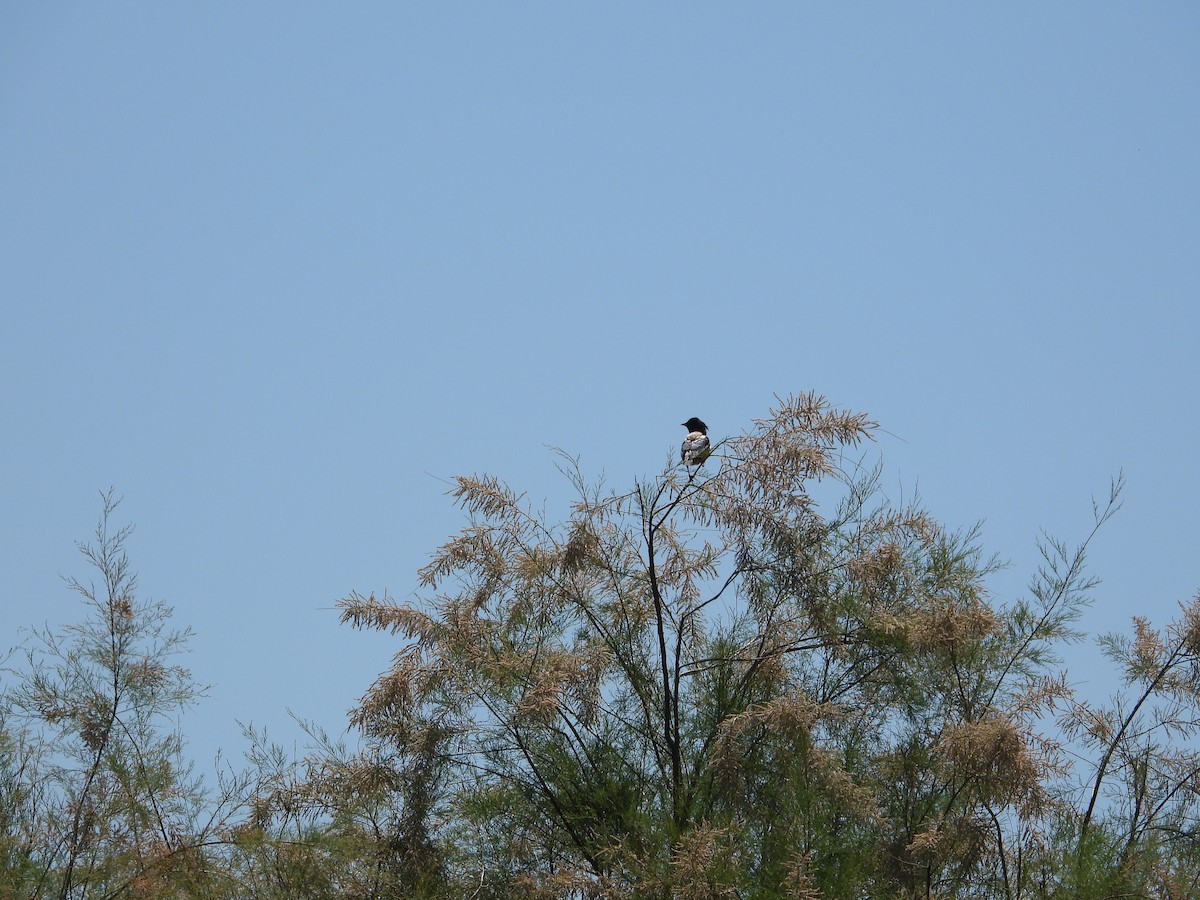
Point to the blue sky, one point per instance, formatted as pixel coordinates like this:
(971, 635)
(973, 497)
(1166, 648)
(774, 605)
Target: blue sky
(275, 271)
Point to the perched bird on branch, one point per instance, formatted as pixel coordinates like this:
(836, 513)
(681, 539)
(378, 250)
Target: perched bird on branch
(696, 448)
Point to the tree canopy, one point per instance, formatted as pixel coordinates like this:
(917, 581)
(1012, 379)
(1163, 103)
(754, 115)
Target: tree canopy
(750, 678)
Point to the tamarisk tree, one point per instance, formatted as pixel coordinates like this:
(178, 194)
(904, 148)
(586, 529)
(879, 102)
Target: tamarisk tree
(97, 799)
(713, 685)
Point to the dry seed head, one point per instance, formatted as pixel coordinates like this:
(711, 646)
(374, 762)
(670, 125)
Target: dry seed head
(486, 495)
(554, 677)
(1148, 646)
(94, 732)
(950, 625)
(581, 547)
(798, 883)
(147, 674)
(876, 566)
(994, 751)
(1191, 627)
(856, 800)
(924, 846)
(695, 857)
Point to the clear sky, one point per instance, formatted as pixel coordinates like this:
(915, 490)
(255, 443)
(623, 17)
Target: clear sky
(274, 271)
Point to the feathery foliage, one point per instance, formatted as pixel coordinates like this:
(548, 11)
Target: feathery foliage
(754, 679)
(711, 686)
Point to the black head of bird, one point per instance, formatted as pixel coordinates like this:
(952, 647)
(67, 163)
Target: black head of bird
(696, 447)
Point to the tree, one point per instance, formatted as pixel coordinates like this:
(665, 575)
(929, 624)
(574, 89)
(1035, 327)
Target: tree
(754, 678)
(706, 686)
(98, 801)
(96, 798)
(1140, 806)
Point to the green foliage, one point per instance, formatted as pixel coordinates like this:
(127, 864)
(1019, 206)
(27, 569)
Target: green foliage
(705, 687)
(708, 686)
(95, 797)
(100, 789)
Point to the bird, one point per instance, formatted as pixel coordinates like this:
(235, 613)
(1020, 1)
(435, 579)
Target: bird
(696, 447)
